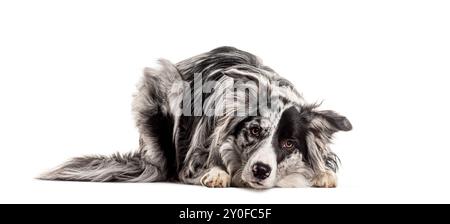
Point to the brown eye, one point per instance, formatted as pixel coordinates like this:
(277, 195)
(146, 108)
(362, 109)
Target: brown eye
(287, 144)
(255, 131)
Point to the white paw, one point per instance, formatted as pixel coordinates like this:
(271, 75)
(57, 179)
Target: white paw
(216, 177)
(326, 179)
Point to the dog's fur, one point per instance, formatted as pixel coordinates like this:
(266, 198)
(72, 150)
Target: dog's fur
(196, 134)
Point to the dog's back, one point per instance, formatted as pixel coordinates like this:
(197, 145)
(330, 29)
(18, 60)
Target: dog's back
(161, 151)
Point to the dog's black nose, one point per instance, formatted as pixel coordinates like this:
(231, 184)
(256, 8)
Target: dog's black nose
(261, 170)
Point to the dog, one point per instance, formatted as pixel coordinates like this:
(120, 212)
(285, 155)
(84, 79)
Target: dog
(220, 119)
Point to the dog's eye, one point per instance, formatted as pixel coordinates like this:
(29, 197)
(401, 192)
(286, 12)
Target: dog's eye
(255, 131)
(287, 144)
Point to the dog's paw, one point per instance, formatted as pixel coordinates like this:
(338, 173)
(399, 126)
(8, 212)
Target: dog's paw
(326, 179)
(216, 177)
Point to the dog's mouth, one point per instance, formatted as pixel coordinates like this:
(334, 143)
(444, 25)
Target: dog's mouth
(257, 185)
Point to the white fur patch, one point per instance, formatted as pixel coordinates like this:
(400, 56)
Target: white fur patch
(293, 181)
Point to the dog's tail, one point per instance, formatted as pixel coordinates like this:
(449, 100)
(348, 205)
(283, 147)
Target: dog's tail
(116, 168)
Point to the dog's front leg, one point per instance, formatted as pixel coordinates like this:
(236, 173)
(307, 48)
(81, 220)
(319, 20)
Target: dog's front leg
(213, 168)
(229, 159)
(201, 169)
(217, 176)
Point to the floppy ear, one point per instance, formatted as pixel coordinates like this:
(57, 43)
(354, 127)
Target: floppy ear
(339, 122)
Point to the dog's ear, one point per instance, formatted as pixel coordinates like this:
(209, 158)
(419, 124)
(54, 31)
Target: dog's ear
(335, 120)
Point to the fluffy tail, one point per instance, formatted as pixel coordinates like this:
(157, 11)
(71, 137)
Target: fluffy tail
(116, 168)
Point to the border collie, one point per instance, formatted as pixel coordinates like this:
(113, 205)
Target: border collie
(220, 119)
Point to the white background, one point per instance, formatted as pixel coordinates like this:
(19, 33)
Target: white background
(68, 70)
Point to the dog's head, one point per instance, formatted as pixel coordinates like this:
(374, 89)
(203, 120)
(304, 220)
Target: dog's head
(281, 140)
(293, 146)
